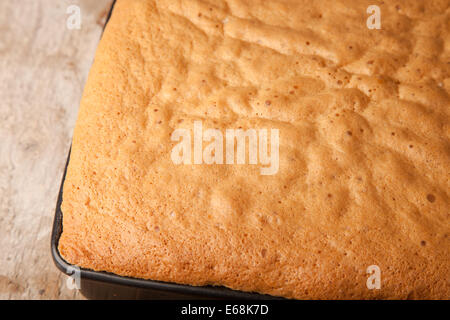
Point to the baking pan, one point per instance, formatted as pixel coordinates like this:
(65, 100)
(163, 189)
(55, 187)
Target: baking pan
(104, 285)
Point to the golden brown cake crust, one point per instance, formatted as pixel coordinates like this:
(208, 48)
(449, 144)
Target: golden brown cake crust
(364, 148)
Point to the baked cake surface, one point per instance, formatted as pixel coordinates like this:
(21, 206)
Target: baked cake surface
(364, 152)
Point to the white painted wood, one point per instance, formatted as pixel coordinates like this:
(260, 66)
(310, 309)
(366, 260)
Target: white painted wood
(43, 68)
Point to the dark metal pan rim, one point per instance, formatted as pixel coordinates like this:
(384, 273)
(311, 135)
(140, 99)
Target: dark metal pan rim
(102, 276)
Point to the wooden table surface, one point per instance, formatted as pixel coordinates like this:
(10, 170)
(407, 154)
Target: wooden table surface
(43, 68)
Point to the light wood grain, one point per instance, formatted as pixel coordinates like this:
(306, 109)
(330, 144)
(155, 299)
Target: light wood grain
(43, 66)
